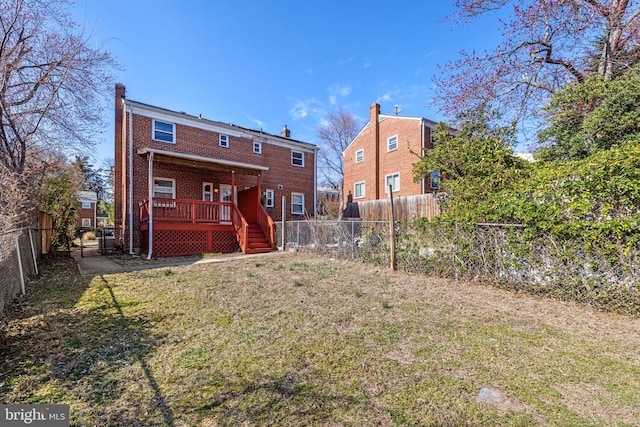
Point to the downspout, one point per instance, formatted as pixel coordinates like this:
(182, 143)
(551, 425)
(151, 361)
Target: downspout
(150, 223)
(130, 175)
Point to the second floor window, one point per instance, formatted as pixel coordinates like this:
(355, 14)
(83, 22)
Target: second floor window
(392, 143)
(297, 158)
(359, 155)
(434, 180)
(163, 131)
(257, 147)
(86, 205)
(224, 141)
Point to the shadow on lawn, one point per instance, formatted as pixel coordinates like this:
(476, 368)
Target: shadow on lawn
(55, 352)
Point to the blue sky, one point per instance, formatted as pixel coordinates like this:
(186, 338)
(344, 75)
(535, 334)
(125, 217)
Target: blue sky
(263, 64)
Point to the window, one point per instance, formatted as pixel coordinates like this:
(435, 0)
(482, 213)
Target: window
(163, 131)
(358, 189)
(297, 158)
(270, 198)
(359, 155)
(207, 191)
(86, 205)
(86, 222)
(392, 180)
(257, 147)
(224, 141)
(434, 180)
(164, 188)
(392, 143)
(297, 203)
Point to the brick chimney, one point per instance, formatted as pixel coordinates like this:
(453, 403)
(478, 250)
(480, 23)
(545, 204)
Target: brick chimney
(285, 132)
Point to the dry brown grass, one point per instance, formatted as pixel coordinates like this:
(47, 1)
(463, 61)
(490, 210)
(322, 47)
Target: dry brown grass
(297, 339)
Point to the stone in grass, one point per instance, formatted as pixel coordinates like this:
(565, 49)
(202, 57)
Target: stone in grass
(493, 397)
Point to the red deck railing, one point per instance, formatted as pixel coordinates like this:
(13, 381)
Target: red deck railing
(182, 211)
(186, 211)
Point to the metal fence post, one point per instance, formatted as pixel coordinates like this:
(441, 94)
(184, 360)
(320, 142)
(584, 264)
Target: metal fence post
(17, 239)
(33, 252)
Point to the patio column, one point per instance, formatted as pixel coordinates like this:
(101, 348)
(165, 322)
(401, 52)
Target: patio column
(233, 186)
(259, 190)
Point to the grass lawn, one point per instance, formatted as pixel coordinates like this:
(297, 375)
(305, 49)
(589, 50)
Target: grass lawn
(297, 339)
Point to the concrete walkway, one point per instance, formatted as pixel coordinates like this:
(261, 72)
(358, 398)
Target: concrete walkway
(91, 263)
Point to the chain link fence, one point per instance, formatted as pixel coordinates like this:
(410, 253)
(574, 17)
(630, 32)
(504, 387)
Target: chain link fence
(605, 276)
(19, 252)
(344, 239)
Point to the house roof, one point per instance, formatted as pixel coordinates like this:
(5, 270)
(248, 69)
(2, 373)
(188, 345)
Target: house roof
(203, 162)
(229, 128)
(382, 117)
(87, 196)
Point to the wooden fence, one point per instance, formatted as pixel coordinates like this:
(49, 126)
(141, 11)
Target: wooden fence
(405, 208)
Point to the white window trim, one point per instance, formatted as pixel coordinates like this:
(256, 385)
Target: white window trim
(86, 221)
(292, 204)
(173, 132)
(386, 185)
(355, 193)
(224, 137)
(210, 184)
(271, 199)
(173, 187)
(389, 140)
(257, 145)
(84, 205)
(361, 152)
(301, 158)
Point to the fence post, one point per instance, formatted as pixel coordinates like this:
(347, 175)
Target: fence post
(455, 250)
(353, 238)
(17, 239)
(284, 222)
(392, 221)
(33, 252)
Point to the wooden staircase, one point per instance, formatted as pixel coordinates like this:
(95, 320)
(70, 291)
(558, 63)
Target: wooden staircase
(257, 242)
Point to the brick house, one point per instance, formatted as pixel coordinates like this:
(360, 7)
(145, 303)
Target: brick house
(382, 154)
(189, 185)
(87, 209)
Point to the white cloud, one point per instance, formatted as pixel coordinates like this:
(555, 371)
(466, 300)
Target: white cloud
(304, 108)
(333, 100)
(366, 64)
(258, 122)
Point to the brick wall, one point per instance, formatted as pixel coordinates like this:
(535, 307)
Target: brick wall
(282, 177)
(410, 139)
(84, 213)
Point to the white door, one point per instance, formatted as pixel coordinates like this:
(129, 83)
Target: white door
(225, 196)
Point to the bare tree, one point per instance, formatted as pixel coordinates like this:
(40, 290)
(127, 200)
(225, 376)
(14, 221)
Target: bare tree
(51, 81)
(547, 44)
(336, 133)
(52, 85)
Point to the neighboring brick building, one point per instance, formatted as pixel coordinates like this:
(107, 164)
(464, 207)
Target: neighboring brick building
(87, 209)
(383, 153)
(218, 175)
